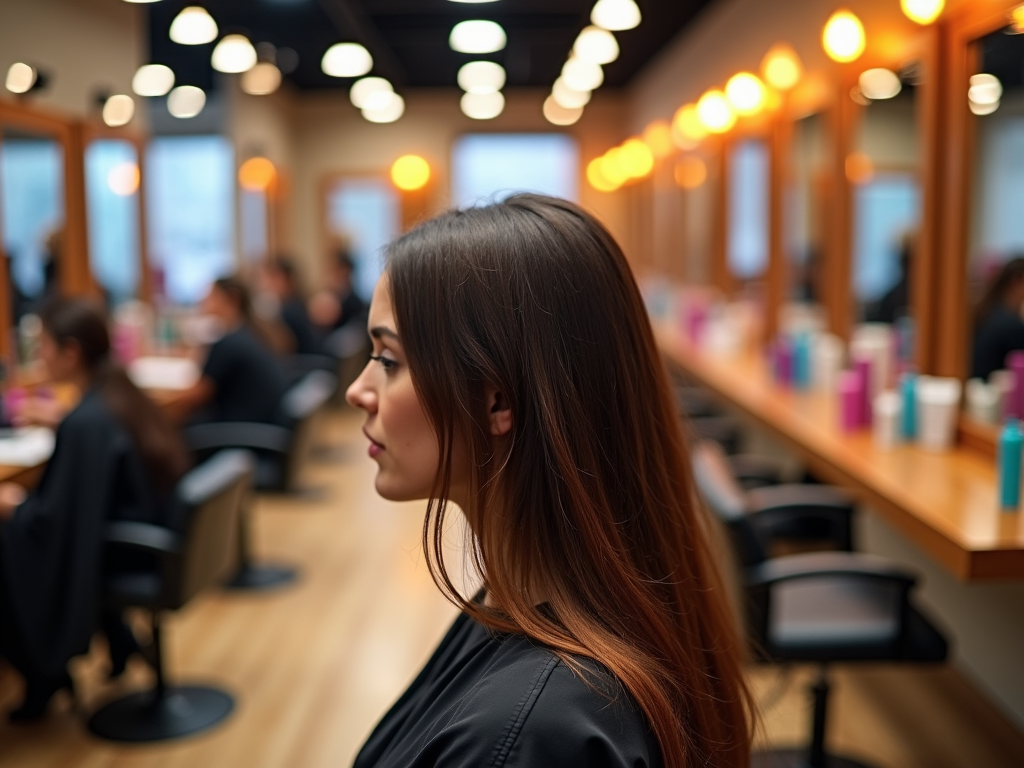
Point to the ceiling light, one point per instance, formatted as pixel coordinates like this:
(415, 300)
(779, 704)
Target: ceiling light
(636, 158)
(658, 136)
(387, 113)
(690, 172)
(715, 113)
(193, 26)
(256, 174)
(233, 54)
(877, 84)
(615, 14)
(746, 93)
(123, 179)
(153, 80)
(346, 60)
(568, 97)
(983, 109)
(596, 177)
(582, 75)
(596, 45)
(843, 37)
(1017, 20)
(370, 93)
(610, 167)
(410, 172)
(985, 89)
(687, 128)
(21, 77)
(186, 101)
(118, 110)
(481, 77)
(261, 80)
(477, 36)
(922, 11)
(556, 114)
(482, 106)
(781, 67)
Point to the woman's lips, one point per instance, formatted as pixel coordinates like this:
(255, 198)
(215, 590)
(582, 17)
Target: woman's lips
(376, 449)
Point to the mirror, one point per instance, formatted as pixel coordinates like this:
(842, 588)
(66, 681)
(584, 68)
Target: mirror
(696, 210)
(805, 195)
(32, 214)
(112, 204)
(747, 214)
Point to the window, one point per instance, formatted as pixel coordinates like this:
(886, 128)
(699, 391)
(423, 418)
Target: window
(748, 210)
(365, 214)
(491, 166)
(112, 186)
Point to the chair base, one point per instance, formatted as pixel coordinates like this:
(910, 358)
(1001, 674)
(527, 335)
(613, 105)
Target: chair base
(798, 758)
(254, 578)
(145, 716)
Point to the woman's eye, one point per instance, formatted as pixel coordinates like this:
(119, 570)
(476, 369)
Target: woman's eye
(386, 362)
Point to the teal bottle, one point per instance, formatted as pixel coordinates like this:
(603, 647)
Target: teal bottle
(908, 419)
(1011, 445)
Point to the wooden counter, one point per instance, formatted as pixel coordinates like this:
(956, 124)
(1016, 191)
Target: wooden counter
(945, 503)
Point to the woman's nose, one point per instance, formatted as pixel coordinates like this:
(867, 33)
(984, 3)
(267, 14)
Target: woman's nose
(360, 394)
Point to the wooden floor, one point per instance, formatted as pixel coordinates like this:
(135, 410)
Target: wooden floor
(314, 666)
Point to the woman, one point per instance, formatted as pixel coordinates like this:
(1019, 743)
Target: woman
(281, 280)
(998, 325)
(115, 457)
(516, 376)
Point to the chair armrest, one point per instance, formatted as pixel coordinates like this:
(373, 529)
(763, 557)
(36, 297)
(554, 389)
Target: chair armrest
(820, 564)
(774, 507)
(203, 438)
(142, 537)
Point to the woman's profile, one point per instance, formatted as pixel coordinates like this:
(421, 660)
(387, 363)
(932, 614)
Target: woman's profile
(515, 375)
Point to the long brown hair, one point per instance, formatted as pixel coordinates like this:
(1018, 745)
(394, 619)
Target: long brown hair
(80, 322)
(593, 500)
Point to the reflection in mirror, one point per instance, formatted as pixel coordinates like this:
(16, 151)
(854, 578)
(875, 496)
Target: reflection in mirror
(32, 200)
(747, 231)
(112, 186)
(804, 196)
(691, 174)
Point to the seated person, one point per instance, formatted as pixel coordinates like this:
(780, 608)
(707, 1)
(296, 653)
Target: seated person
(116, 457)
(281, 280)
(998, 326)
(338, 306)
(242, 379)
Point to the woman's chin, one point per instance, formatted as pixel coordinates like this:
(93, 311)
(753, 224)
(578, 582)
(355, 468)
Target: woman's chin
(388, 488)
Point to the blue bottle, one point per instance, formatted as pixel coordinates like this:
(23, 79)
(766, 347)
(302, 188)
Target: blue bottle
(802, 361)
(908, 422)
(1011, 446)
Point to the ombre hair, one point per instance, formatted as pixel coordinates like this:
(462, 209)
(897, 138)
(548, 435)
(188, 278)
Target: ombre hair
(590, 503)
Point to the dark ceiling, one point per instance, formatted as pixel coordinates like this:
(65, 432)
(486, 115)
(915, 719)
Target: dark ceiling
(409, 38)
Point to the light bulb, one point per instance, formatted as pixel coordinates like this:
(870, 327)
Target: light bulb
(261, 80)
(658, 136)
(256, 174)
(690, 172)
(410, 172)
(843, 37)
(477, 36)
(582, 75)
(687, 128)
(482, 106)
(118, 110)
(153, 80)
(922, 11)
(568, 97)
(346, 60)
(186, 101)
(193, 26)
(615, 14)
(596, 45)
(781, 67)
(611, 169)
(234, 54)
(636, 158)
(389, 112)
(985, 89)
(877, 84)
(481, 77)
(371, 93)
(983, 109)
(556, 114)
(123, 179)
(715, 113)
(746, 93)
(21, 77)
(596, 177)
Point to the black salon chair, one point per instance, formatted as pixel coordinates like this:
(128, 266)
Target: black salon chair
(750, 470)
(822, 607)
(195, 550)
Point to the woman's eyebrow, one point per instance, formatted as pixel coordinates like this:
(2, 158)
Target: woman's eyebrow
(381, 331)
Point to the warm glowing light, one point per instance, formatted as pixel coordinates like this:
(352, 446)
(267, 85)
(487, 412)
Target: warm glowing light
(410, 172)
(983, 109)
(123, 179)
(715, 113)
(985, 89)
(746, 93)
(556, 114)
(477, 36)
(261, 80)
(371, 93)
(568, 97)
(346, 60)
(596, 45)
(234, 54)
(859, 168)
(596, 177)
(690, 172)
(687, 128)
(193, 26)
(482, 106)
(481, 77)
(658, 136)
(385, 113)
(153, 80)
(611, 169)
(843, 37)
(1017, 20)
(615, 14)
(21, 77)
(636, 158)
(781, 67)
(922, 11)
(582, 75)
(186, 101)
(877, 84)
(256, 174)
(118, 110)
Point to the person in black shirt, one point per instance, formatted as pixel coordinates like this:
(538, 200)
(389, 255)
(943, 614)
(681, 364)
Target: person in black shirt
(998, 326)
(280, 278)
(242, 379)
(339, 306)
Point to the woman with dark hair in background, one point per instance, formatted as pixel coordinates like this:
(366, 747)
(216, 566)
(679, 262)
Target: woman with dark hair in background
(242, 379)
(515, 375)
(281, 279)
(116, 457)
(998, 326)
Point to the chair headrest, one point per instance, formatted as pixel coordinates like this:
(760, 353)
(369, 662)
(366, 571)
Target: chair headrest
(214, 476)
(308, 394)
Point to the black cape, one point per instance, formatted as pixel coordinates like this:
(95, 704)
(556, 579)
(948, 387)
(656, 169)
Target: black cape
(502, 701)
(51, 548)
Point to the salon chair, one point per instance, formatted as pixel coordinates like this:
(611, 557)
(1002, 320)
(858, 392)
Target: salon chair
(297, 366)
(750, 470)
(821, 607)
(196, 549)
(281, 450)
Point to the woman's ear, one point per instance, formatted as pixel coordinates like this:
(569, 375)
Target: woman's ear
(499, 412)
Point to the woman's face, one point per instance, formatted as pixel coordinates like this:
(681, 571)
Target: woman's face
(402, 441)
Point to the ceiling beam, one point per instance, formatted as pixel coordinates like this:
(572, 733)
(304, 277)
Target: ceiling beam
(353, 23)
